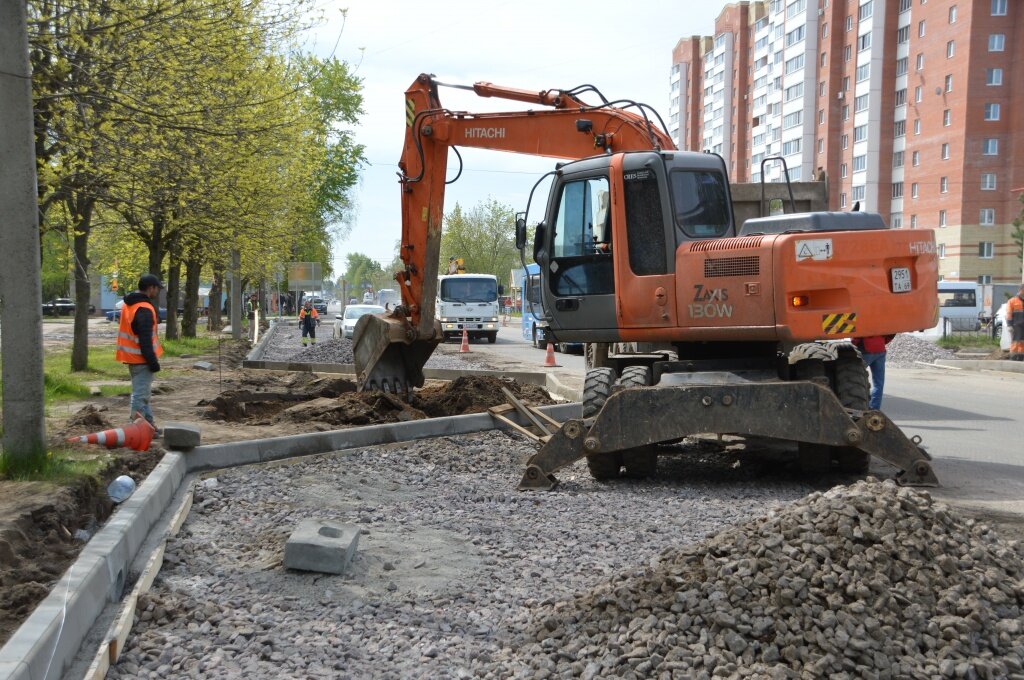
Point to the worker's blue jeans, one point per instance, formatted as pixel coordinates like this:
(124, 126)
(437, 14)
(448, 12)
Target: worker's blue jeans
(876, 364)
(142, 385)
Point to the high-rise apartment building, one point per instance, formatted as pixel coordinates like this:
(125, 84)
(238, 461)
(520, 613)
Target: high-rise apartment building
(904, 105)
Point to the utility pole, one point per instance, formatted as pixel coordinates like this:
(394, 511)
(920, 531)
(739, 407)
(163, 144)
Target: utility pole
(21, 294)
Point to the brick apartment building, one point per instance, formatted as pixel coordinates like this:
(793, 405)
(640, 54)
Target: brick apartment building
(906, 106)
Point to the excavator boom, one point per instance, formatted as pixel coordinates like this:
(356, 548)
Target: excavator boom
(391, 350)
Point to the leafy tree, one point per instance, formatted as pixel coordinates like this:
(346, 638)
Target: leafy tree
(484, 237)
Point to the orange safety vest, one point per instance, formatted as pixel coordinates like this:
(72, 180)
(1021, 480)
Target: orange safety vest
(128, 349)
(312, 312)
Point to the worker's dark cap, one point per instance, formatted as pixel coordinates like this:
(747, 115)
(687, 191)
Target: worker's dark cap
(147, 280)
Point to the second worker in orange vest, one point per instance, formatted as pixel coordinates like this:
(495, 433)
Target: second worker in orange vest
(138, 344)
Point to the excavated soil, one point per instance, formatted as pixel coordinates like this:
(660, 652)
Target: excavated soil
(334, 402)
(38, 527)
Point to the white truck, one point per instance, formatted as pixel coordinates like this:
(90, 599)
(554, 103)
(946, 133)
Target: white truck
(468, 302)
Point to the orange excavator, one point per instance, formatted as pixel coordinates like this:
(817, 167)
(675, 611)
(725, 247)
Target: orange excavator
(693, 324)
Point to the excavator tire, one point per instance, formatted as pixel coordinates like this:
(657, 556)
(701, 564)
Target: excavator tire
(850, 383)
(595, 355)
(597, 387)
(641, 462)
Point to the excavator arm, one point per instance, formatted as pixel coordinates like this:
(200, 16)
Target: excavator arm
(390, 350)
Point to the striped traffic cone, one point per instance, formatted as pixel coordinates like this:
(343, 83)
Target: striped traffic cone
(549, 358)
(465, 341)
(136, 436)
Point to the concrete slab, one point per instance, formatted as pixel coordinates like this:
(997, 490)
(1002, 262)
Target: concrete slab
(203, 365)
(321, 545)
(181, 436)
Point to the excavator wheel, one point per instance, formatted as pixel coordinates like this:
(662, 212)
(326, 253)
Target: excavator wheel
(641, 462)
(597, 387)
(850, 383)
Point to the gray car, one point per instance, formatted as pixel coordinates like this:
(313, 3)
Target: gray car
(345, 324)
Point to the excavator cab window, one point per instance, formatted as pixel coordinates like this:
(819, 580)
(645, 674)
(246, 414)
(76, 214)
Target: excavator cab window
(580, 262)
(701, 205)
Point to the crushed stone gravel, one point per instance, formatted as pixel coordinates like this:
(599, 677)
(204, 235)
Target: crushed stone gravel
(450, 554)
(906, 350)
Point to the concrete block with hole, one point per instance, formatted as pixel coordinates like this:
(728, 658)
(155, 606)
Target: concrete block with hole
(321, 545)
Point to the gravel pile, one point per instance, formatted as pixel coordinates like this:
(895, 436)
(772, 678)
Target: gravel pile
(286, 345)
(870, 580)
(905, 350)
(451, 558)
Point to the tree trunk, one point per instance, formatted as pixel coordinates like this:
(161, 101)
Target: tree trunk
(156, 245)
(81, 222)
(189, 320)
(173, 288)
(214, 323)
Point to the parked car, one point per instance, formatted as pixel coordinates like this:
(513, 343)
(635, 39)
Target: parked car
(114, 315)
(319, 304)
(1000, 319)
(62, 307)
(345, 324)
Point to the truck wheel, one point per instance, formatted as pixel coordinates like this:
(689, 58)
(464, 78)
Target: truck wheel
(595, 355)
(642, 461)
(492, 337)
(850, 383)
(597, 387)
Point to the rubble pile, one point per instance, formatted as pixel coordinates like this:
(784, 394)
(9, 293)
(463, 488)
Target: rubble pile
(871, 580)
(905, 350)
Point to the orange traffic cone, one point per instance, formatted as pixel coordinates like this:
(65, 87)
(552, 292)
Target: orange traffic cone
(136, 436)
(549, 360)
(465, 341)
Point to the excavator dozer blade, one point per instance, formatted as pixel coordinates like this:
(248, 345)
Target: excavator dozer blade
(388, 355)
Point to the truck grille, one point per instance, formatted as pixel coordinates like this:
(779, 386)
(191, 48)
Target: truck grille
(732, 266)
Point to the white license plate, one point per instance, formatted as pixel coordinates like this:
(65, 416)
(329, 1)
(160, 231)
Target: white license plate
(900, 279)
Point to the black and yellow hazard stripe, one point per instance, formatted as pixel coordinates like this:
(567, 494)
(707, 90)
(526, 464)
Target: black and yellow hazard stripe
(410, 112)
(839, 324)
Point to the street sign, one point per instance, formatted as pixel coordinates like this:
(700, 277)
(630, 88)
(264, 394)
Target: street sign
(305, 276)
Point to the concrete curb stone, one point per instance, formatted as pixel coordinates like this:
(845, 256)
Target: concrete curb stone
(983, 365)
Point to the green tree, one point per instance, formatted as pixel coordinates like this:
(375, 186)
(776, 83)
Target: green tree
(484, 237)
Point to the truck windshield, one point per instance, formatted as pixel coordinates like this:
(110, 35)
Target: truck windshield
(700, 204)
(464, 289)
(958, 298)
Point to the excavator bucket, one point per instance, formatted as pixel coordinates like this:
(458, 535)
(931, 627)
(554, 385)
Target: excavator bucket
(388, 355)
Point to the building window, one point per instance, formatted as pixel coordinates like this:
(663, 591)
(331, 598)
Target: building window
(842, 170)
(824, 57)
(845, 141)
(821, 89)
(847, 53)
(949, 82)
(913, 190)
(942, 218)
(863, 72)
(984, 279)
(897, 189)
(986, 250)
(947, 118)
(897, 159)
(991, 111)
(913, 221)
(943, 185)
(905, 5)
(792, 119)
(795, 36)
(849, 23)
(793, 92)
(917, 94)
(990, 147)
(903, 35)
(915, 158)
(920, 29)
(901, 97)
(987, 217)
(860, 163)
(821, 145)
(900, 128)
(846, 84)
(857, 193)
(941, 250)
(999, 8)
(860, 133)
(945, 152)
(993, 76)
(952, 14)
(791, 147)
(920, 61)
(996, 42)
(917, 126)
(861, 103)
(865, 11)
(821, 116)
(796, 7)
(901, 66)
(950, 49)
(896, 220)
(988, 181)
(795, 64)
(824, 32)
(863, 41)
(846, 111)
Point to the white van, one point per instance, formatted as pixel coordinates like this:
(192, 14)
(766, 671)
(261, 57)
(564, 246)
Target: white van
(960, 305)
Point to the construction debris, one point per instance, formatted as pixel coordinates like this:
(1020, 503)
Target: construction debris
(906, 350)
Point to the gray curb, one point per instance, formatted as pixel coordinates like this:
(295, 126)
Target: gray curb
(97, 577)
(257, 352)
(983, 365)
(532, 377)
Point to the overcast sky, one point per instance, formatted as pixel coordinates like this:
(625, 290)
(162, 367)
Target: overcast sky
(623, 48)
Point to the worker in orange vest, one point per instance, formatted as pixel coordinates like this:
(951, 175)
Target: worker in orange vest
(138, 344)
(309, 319)
(1015, 321)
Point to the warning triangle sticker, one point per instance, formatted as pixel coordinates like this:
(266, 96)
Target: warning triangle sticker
(805, 251)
